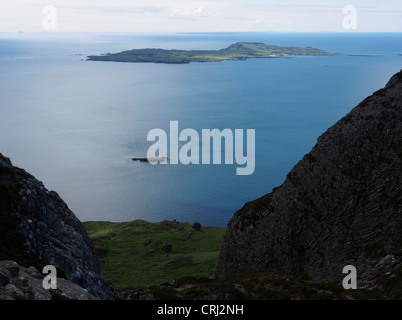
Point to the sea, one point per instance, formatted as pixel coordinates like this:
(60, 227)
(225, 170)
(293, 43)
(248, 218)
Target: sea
(76, 124)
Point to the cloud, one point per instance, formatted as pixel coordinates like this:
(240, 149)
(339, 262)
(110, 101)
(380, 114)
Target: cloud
(190, 14)
(199, 15)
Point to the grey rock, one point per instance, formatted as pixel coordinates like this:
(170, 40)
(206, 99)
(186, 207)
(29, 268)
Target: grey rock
(72, 291)
(27, 284)
(147, 296)
(340, 205)
(49, 230)
(4, 276)
(215, 296)
(197, 226)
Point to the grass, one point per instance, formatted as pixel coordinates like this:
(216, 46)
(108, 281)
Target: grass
(266, 285)
(134, 260)
(237, 51)
(132, 254)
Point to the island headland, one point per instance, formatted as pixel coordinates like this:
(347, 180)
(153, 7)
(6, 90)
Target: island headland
(236, 51)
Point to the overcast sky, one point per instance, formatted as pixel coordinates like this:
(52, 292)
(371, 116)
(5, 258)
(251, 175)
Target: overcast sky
(199, 15)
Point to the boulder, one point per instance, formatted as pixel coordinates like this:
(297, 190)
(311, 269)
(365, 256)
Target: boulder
(20, 283)
(37, 228)
(196, 226)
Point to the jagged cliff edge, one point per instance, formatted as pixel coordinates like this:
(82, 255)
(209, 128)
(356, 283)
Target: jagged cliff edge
(38, 227)
(340, 205)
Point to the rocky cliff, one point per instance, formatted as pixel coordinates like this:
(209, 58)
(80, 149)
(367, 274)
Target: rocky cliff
(19, 283)
(37, 228)
(340, 205)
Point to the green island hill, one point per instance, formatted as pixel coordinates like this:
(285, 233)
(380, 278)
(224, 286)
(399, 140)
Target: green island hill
(237, 51)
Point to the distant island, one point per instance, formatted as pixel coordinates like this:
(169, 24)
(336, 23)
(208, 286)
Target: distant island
(237, 51)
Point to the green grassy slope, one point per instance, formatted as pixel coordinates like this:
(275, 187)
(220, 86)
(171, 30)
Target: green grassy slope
(132, 253)
(134, 260)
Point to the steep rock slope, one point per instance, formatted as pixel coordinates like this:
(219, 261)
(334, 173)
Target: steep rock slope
(37, 228)
(340, 205)
(19, 283)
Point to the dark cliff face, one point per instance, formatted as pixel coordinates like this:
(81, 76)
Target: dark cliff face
(340, 205)
(38, 228)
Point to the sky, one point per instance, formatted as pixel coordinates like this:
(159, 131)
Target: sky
(200, 16)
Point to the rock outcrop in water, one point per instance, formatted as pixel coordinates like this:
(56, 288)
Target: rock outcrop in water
(340, 205)
(37, 228)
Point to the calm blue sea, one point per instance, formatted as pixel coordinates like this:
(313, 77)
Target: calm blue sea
(75, 124)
